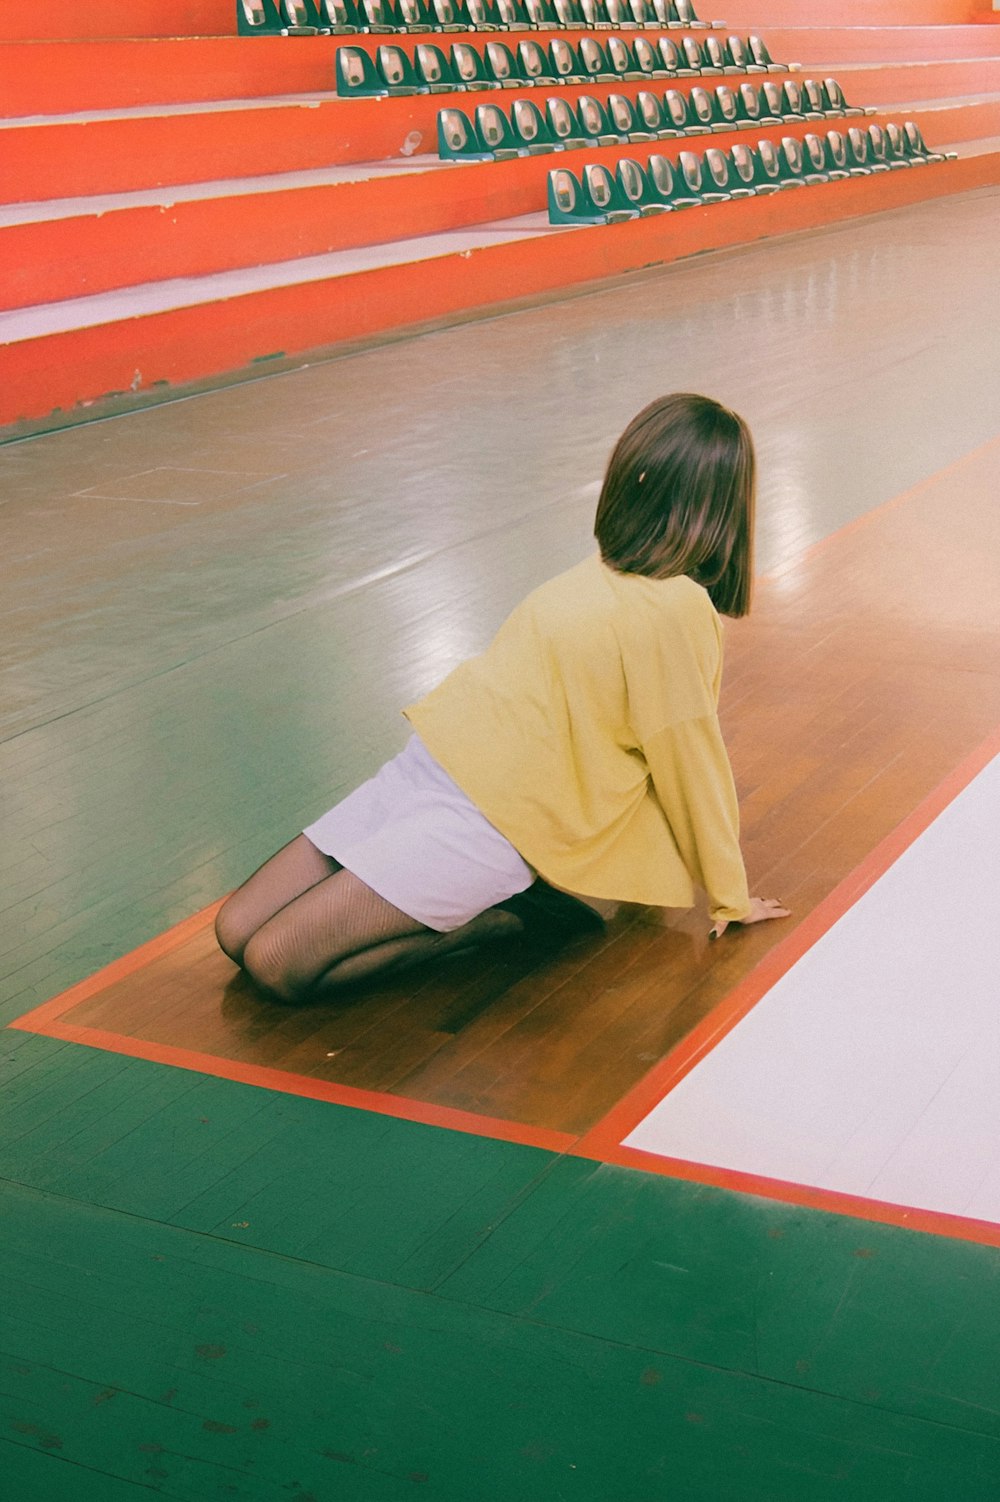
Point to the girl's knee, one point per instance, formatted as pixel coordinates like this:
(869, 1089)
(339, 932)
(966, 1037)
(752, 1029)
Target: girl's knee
(232, 931)
(272, 970)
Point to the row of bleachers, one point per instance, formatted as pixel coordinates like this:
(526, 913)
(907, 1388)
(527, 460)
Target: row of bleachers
(600, 195)
(529, 64)
(558, 124)
(343, 17)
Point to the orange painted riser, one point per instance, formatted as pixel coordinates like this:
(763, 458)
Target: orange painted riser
(118, 18)
(72, 257)
(65, 77)
(757, 13)
(809, 43)
(61, 371)
(76, 159)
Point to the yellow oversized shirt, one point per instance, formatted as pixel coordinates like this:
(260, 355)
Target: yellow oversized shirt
(588, 734)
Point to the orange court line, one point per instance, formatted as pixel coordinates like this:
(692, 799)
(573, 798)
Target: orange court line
(284, 1081)
(831, 1201)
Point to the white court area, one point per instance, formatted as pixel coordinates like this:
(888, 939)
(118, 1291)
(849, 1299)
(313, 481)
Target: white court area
(872, 1067)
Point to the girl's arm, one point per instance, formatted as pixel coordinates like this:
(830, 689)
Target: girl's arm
(694, 786)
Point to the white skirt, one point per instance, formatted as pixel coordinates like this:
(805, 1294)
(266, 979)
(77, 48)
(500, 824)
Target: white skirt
(413, 836)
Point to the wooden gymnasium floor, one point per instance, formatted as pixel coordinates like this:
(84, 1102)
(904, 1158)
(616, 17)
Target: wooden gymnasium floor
(422, 1242)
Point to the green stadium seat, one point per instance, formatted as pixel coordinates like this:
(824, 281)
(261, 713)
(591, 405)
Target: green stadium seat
(739, 57)
(814, 156)
(378, 16)
(594, 122)
(791, 162)
(727, 107)
(448, 15)
(594, 64)
(670, 58)
(814, 101)
(799, 162)
(594, 15)
(715, 170)
(496, 132)
(468, 67)
(433, 70)
(713, 59)
(767, 168)
(834, 155)
(396, 69)
(563, 123)
(511, 14)
(414, 15)
(635, 189)
(534, 64)
(501, 66)
(835, 100)
(797, 106)
(622, 118)
(752, 111)
(569, 15)
(649, 115)
(643, 14)
(458, 139)
(761, 57)
(691, 57)
(859, 150)
(701, 108)
(647, 59)
(699, 180)
(339, 17)
(299, 18)
(541, 16)
(772, 99)
(565, 64)
(530, 128)
(742, 174)
(480, 16)
(678, 116)
(917, 149)
(357, 77)
(621, 60)
(856, 142)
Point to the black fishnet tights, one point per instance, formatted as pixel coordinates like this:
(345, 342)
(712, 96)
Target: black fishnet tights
(302, 927)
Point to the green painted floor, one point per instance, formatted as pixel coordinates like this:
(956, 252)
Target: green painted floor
(214, 612)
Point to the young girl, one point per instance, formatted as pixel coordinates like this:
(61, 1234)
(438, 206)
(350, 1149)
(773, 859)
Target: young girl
(580, 753)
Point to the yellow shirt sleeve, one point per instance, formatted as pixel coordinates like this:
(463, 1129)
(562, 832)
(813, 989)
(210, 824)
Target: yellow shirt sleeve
(693, 783)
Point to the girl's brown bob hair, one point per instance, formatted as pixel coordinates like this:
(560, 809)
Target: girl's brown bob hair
(678, 498)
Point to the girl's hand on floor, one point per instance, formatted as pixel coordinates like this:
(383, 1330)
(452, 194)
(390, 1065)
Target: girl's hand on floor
(761, 909)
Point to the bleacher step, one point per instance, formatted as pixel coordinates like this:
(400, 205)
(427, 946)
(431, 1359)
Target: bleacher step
(165, 334)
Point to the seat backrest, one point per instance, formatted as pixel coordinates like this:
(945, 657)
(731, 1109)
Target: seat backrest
(563, 59)
(670, 57)
(620, 114)
(592, 59)
(750, 101)
(647, 110)
(675, 109)
(742, 160)
(690, 168)
(701, 106)
(812, 151)
(727, 105)
(716, 169)
(528, 122)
